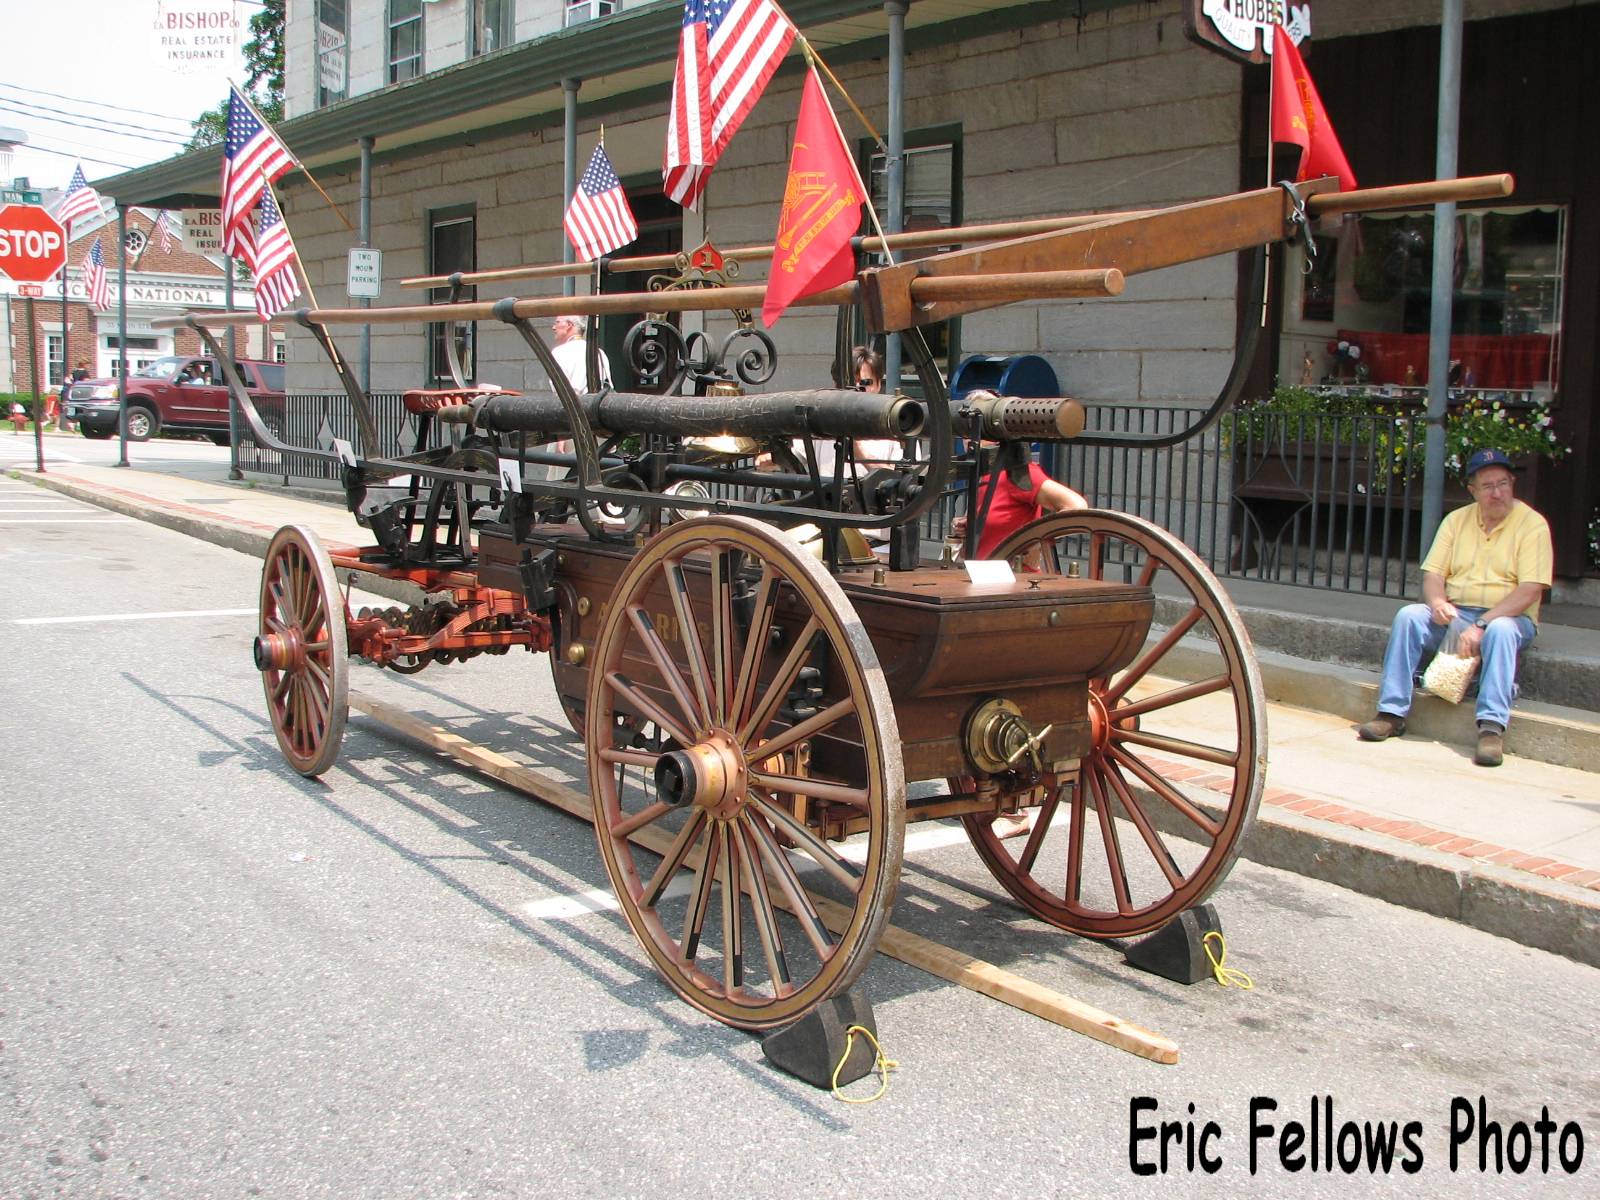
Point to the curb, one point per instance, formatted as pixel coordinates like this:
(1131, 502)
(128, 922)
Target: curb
(1519, 904)
(1516, 904)
(1544, 913)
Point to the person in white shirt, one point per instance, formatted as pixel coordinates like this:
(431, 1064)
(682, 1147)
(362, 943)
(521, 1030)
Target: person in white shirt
(571, 353)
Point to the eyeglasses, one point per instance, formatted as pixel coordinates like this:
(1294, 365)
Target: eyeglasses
(1498, 485)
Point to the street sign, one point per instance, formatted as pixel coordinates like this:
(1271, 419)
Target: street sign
(33, 246)
(36, 290)
(364, 281)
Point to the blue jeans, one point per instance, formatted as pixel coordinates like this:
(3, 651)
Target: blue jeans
(1414, 634)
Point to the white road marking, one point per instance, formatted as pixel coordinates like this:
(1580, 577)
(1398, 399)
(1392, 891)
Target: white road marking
(150, 616)
(566, 908)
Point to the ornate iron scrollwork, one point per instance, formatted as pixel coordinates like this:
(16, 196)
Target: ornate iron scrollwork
(654, 344)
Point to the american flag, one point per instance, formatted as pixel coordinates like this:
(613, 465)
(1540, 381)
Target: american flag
(252, 157)
(599, 220)
(729, 49)
(164, 231)
(276, 285)
(94, 277)
(81, 200)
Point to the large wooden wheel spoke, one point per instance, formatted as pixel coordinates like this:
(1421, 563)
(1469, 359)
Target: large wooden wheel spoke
(774, 733)
(301, 650)
(1153, 819)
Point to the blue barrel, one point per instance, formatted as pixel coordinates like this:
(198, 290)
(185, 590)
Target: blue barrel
(1013, 375)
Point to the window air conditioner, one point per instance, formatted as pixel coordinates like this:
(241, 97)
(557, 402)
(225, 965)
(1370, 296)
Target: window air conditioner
(579, 11)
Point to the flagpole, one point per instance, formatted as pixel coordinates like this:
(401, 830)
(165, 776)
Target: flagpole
(265, 124)
(1266, 264)
(293, 247)
(866, 194)
(815, 59)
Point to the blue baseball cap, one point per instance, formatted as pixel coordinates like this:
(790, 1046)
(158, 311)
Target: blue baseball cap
(1486, 458)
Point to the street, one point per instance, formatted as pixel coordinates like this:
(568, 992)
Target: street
(218, 978)
(18, 450)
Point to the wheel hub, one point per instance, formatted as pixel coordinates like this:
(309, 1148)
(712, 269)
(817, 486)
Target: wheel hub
(279, 651)
(711, 775)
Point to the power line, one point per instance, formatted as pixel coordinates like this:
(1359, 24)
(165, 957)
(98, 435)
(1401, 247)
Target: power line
(97, 103)
(148, 137)
(105, 162)
(67, 112)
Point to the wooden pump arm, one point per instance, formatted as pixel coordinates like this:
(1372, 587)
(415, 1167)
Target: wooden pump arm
(892, 296)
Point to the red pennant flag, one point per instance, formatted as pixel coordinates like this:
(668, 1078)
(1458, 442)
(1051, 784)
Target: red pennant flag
(821, 209)
(1299, 118)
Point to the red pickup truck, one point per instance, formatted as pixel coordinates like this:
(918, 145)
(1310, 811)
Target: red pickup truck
(177, 394)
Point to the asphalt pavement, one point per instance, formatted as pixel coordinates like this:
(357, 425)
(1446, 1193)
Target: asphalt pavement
(1514, 850)
(403, 980)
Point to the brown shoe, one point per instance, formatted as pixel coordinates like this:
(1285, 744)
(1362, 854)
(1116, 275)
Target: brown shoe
(1491, 748)
(1381, 728)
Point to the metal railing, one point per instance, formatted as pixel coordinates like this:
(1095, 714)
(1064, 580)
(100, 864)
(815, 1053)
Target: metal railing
(1310, 500)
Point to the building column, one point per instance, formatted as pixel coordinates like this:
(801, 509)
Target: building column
(364, 221)
(1444, 253)
(569, 170)
(895, 174)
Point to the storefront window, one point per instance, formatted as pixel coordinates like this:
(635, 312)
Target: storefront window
(55, 358)
(1369, 297)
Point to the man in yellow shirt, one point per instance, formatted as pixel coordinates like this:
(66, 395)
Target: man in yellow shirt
(1485, 573)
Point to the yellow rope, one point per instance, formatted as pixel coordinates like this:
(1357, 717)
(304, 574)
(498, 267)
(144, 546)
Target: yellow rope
(881, 1064)
(1226, 976)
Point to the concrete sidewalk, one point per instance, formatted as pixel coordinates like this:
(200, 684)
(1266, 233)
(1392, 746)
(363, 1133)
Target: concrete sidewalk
(1513, 850)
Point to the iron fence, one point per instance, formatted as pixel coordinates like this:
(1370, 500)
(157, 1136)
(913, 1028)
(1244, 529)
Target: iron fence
(1300, 499)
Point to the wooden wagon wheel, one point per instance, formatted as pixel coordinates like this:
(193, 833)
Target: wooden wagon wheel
(301, 650)
(735, 704)
(1120, 849)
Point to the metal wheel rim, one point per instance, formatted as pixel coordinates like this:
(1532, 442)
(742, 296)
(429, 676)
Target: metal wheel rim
(307, 699)
(1112, 772)
(749, 991)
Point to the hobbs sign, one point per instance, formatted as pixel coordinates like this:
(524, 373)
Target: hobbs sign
(1242, 29)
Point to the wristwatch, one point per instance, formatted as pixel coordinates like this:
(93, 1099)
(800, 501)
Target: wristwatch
(1481, 623)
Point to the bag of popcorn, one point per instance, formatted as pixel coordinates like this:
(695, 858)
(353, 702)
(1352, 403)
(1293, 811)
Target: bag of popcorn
(1450, 673)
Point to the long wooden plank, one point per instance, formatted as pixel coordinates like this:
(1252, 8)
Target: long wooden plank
(910, 948)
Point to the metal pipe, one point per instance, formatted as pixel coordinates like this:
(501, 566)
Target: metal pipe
(233, 356)
(364, 221)
(1444, 251)
(824, 413)
(33, 373)
(895, 173)
(569, 169)
(122, 337)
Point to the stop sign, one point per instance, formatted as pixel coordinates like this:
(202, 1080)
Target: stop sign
(33, 246)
